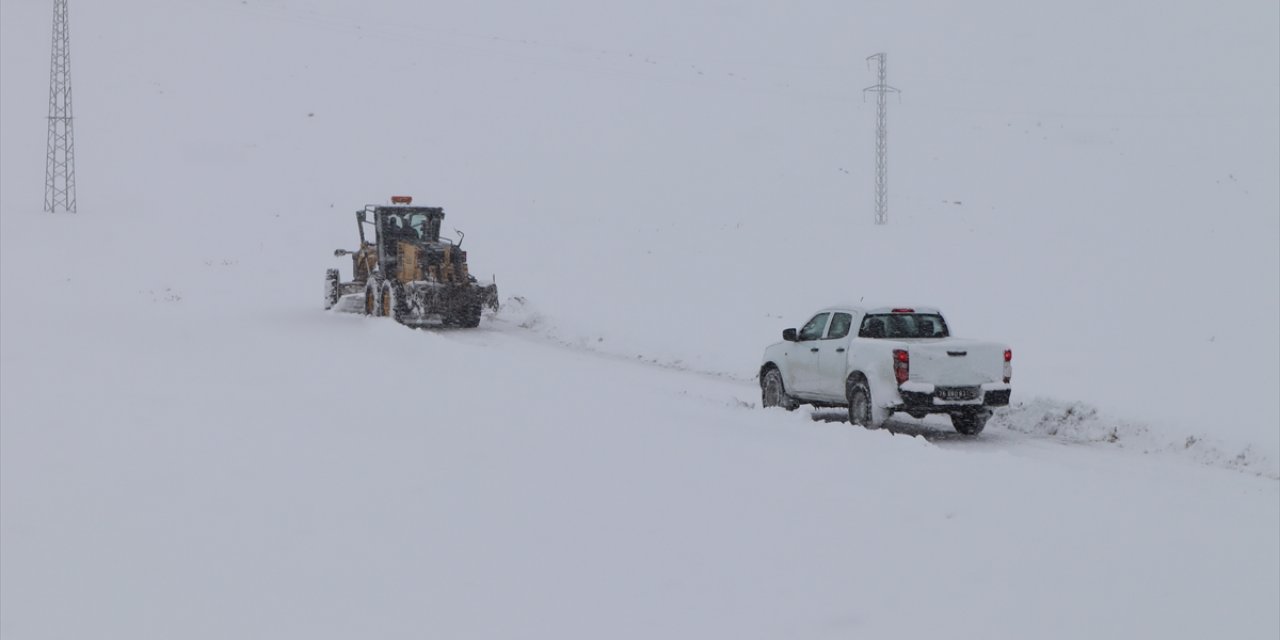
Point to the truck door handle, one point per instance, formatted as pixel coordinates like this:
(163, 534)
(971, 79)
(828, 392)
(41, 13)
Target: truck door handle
(840, 350)
(814, 350)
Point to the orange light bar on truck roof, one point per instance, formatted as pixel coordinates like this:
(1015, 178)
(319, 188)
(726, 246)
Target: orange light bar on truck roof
(401, 199)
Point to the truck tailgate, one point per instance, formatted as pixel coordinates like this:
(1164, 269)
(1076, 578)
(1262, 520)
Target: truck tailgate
(954, 362)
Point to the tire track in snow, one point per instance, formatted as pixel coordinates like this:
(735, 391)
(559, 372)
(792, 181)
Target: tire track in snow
(1038, 418)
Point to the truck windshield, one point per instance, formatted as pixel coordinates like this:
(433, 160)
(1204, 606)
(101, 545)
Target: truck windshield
(903, 325)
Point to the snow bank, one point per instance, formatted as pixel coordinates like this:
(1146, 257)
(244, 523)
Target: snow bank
(1079, 422)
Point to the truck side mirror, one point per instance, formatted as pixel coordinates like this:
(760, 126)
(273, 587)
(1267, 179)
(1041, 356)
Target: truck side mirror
(789, 335)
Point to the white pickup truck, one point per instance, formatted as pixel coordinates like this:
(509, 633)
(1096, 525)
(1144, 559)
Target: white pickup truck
(885, 360)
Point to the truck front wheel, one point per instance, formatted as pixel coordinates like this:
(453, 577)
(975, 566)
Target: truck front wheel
(970, 422)
(773, 393)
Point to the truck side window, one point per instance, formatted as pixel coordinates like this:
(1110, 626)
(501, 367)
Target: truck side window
(813, 330)
(840, 324)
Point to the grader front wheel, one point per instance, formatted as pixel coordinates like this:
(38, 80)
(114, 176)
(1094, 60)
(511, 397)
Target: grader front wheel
(392, 305)
(372, 304)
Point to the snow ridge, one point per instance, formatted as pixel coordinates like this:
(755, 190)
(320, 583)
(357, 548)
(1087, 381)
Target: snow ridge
(1081, 423)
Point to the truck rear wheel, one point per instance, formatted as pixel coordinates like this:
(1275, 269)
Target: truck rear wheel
(861, 409)
(773, 393)
(970, 422)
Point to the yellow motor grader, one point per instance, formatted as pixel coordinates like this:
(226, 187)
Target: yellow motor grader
(407, 272)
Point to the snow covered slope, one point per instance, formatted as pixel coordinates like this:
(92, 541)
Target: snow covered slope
(190, 448)
(175, 465)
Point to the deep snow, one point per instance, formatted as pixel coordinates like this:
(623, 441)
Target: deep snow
(190, 448)
(175, 467)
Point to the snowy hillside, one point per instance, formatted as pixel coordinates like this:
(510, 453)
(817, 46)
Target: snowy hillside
(190, 448)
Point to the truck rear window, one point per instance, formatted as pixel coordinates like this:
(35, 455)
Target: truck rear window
(903, 325)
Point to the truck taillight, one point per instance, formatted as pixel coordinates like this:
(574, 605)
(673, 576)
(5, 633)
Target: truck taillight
(1008, 365)
(901, 365)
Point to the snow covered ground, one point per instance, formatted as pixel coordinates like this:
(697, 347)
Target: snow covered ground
(190, 448)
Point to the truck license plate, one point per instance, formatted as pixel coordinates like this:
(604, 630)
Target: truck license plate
(958, 393)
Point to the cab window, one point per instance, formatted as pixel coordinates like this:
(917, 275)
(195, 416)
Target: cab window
(840, 323)
(813, 330)
(904, 325)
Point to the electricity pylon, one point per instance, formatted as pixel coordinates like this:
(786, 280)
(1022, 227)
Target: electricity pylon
(881, 89)
(60, 167)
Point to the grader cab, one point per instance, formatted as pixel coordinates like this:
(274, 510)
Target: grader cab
(407, 271)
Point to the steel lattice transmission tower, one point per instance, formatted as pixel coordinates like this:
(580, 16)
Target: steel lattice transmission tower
(59, 168)
(881, 89)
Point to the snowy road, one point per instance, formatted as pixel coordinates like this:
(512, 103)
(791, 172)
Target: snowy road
(181, 467)
(339, 475)
(1039, 423)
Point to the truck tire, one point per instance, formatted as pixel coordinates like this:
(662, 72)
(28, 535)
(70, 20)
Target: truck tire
(970, 422)
(392, 302)
(373, 297)
(861, 410)
(332, 288)
(773, 393)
